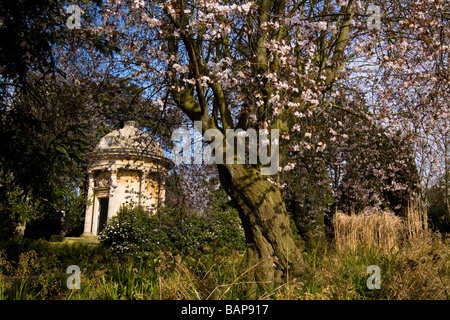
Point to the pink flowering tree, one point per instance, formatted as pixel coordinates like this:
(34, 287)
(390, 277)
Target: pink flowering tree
(406, 76)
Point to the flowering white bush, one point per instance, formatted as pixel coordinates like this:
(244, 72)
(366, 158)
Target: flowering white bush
(126, 232)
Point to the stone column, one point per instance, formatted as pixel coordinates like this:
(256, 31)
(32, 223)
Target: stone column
(153, 189)
(162, 191)
(112, 205)
(143, 197)
(90, 207)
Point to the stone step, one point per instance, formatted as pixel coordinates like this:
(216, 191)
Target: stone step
(83, 239)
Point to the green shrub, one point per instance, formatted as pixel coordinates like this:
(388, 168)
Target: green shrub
(56, 238)
(228, 231)
(181, 232)
(174, 230)
(185, 231)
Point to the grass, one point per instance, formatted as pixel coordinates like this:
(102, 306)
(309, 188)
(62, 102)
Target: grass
(374, 230)
(418, 268)
(409, 273)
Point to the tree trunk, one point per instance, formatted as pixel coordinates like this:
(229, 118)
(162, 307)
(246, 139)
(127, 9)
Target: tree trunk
(271, 251)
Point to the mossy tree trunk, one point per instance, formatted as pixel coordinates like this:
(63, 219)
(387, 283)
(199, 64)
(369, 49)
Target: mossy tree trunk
(271, 250)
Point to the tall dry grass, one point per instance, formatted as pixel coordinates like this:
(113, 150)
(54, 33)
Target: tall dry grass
(380, 230)
(416, 221)
(375, 230)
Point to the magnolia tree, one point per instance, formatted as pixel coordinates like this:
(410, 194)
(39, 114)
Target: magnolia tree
(341, 160)
(267, 65)
(404, 70)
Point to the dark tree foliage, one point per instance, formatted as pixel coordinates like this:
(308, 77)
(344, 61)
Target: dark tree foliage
(29, 29)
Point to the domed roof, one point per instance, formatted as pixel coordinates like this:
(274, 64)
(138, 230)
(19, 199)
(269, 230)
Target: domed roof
(131, 140)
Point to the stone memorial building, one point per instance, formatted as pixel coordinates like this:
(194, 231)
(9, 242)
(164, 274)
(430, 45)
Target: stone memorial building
(128, 168)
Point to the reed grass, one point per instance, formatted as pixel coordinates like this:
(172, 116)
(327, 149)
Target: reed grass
(382, 230)
(374, 230)
(417, 221)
